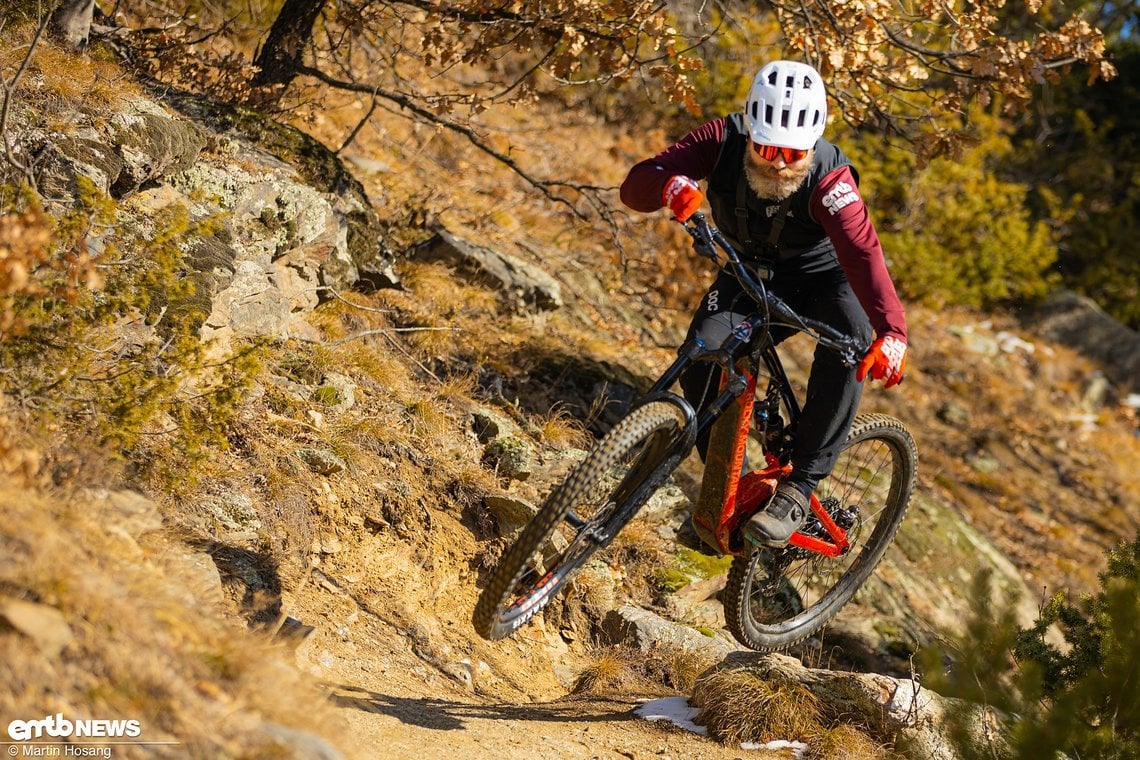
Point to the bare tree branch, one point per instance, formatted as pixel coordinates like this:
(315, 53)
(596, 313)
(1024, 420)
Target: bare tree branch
(9, 89)
(546, 187)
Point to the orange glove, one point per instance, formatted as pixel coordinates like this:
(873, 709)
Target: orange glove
(683, 196)
(885, 360)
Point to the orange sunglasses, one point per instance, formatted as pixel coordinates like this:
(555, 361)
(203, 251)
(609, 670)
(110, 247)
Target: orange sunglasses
(769, 153)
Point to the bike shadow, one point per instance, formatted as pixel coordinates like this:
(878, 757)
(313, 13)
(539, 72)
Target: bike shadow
(842, 650)
(449, 715)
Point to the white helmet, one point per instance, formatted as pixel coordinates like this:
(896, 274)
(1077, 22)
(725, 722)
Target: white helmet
(787, 105)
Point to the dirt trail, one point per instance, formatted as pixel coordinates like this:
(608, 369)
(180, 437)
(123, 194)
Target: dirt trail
(383, 726)
(386, 720)
(410, 679)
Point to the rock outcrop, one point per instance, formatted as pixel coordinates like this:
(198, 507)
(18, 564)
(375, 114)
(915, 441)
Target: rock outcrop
(1075, 320)
(291, 225)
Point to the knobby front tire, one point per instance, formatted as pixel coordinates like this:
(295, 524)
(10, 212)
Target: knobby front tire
(775, 598)
(595, 501)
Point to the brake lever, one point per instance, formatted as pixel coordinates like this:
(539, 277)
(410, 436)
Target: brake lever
(707, 250)
(702, 237)
(852, 353)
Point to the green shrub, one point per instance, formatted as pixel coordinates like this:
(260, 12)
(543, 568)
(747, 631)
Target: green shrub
(953, 231)
(1082, 700)
(1083, 155)
(105, 337)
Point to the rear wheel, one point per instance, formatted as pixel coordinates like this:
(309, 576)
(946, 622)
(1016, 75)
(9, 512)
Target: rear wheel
(777, 597)
(596, 500)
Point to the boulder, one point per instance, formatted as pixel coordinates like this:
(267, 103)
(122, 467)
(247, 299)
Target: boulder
(141, 143)
(641, 629)
(528, 284)
(291, 226)
(512, 457)
(1077, 321)
(510, 513)
(316, 167)
(45, 626)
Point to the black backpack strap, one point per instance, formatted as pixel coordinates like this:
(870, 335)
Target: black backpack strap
(741, 211)
(778, 224)
(770, 251)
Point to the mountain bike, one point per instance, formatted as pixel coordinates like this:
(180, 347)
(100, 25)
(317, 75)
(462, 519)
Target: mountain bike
(774, 597)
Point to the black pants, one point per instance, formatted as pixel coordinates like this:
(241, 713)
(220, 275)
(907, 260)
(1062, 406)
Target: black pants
(832, 393)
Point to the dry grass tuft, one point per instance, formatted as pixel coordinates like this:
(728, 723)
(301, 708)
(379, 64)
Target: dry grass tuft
(142, 641)
(626, 669)
(61, 82)
(739, 707)
(844, 742)
(678, 667)
(458, 387)
(560, 429)
(615, 669)
(592, 590)
(429, 423)
(639, 553)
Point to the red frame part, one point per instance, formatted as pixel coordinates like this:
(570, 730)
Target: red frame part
(744, 495)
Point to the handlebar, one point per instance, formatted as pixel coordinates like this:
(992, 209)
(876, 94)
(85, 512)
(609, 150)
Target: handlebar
(706, 240)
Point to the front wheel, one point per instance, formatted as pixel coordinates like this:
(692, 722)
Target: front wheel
(777, 597)
(596, 500)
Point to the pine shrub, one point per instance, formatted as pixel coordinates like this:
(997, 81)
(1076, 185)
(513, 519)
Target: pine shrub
(1081, 700)
(101, 332)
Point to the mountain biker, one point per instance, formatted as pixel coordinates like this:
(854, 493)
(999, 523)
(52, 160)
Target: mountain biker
(789, 201)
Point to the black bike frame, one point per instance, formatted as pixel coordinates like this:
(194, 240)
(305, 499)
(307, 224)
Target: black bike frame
(738, 379)
(772, 311)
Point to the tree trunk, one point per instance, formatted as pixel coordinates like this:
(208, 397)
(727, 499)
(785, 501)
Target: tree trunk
(292, 29)
(71, 22)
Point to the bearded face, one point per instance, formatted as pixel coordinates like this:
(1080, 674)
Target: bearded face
(776, 179)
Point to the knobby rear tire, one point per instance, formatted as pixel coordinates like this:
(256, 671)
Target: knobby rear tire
(640, 450)
(776, 598)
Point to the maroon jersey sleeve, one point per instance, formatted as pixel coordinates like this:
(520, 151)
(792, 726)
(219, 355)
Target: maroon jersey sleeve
(837, 205)
(694, 155)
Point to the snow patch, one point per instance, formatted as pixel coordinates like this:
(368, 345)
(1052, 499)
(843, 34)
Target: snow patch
(798, 748)
(677, 710)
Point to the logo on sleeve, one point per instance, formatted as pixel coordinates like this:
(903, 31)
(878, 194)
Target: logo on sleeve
(840, 196)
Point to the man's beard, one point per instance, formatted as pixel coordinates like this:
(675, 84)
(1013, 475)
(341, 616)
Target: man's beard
(769, 184)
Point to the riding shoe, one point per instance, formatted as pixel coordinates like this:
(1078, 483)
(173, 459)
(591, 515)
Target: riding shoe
(785, 514)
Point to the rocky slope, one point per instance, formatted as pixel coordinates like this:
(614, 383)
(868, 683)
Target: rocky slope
(369, 483)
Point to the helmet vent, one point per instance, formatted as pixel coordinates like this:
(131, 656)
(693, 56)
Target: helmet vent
(803, 118)
(784, 118)
(772, 77)
(755, 109)
(767, 114)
